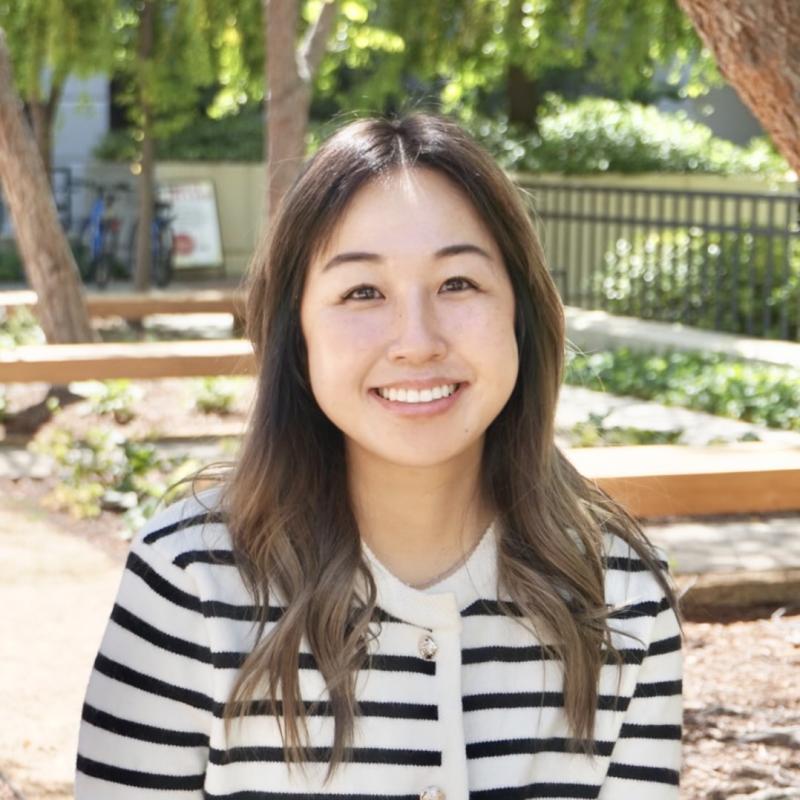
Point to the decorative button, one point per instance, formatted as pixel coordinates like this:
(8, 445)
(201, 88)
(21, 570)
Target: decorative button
(431, 793)
(428, 649)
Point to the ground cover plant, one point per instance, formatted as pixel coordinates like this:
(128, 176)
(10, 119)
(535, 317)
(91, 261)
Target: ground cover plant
(759, 393)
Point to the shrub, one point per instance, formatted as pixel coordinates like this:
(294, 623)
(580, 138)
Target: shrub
(106, 470)
(19, 326)
(237, 137)
(594, 432)
(721, 281)
(115, 398)
(759, 393)
(599, 135)
(588, 136)
(11, 268)
(216, 395)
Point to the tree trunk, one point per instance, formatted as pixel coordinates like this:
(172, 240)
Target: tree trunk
(523, 93)
(144, 245)
(524, 98)
(49, 264)
(43, 113)
(289, 74)
(756, 44)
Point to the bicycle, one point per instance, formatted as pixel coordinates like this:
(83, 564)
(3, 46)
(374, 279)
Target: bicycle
(161, 242)
(98, 235)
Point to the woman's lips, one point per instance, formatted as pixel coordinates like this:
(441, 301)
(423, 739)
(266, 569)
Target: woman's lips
(428, 408)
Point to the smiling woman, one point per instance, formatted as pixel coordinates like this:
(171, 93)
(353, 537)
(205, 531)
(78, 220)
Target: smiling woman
(401, 588)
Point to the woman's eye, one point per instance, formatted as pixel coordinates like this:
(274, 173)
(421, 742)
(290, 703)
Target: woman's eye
(362, 293)
(457, 284)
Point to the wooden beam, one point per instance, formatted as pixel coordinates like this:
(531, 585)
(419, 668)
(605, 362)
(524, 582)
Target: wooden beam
(62, 363)
(675, 480)
(131, 305)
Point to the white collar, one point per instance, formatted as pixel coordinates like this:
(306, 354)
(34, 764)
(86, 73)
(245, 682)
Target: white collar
(440, 605)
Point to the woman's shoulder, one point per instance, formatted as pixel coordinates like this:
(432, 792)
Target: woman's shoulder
(628, 577)
(188, 530)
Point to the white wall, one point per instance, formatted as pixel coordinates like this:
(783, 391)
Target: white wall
(81, 122)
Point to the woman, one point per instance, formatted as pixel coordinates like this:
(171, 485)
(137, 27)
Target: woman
(402, 588)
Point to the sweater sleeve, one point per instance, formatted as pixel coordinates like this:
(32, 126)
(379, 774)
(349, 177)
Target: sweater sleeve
(646, 758)
(147, 715)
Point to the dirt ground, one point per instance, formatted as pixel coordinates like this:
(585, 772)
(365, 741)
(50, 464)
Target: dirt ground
(58, 577)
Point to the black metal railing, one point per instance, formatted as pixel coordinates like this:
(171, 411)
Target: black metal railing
(62, 183)
(727, 261)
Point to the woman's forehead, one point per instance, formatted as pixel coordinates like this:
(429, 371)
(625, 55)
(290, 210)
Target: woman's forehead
(406, 209)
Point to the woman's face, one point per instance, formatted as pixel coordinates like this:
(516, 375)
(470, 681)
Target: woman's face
(408, 319)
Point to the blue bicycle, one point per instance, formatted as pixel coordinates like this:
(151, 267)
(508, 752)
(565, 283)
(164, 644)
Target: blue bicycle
(161, 243)
(98, 235)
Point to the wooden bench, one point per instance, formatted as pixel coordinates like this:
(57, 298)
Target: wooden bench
(62, 363)
(130, 305)
(675, 480)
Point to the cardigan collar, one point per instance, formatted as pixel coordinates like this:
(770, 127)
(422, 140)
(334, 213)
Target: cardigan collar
(440, 605)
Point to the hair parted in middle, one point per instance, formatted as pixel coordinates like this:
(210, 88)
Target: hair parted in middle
(296, 539)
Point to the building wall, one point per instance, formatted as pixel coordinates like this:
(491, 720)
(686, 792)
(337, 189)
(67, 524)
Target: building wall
(82, 121)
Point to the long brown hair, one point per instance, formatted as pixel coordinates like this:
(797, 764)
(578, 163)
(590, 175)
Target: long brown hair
(294, 531)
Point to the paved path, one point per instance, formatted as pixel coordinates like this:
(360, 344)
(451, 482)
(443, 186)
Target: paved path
(56, 593)
(729, 547)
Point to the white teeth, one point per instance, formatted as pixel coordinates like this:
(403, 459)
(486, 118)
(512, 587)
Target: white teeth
(418, 395)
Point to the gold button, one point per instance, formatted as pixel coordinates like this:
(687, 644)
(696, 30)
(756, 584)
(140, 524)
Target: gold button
(431, 793)
(428, 649)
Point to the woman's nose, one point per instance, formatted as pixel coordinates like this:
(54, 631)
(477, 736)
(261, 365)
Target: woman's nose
(417, 332)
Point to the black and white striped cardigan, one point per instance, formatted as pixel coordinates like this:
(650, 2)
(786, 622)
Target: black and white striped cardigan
(457, 701)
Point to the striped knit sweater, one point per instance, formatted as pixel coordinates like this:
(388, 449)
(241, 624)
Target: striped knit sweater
(458, 701)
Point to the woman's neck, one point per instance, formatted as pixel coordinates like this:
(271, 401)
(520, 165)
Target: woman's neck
(418, 521)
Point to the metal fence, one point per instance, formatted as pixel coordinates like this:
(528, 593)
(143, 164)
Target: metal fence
(62, 183)
(726, 261)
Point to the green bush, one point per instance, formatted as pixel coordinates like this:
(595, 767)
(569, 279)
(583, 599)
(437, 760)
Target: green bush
(759, 393)
(718, 281)
(594, 432)
(18, 326)
(589, 136)
(105, 470)
(11, 268)
(114, 398)
(216, 395)
(238, 137)
(596, 135)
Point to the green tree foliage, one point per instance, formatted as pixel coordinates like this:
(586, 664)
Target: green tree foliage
(56, 39)
(484, 56)
(474, 57)
(184, 66)
(49, 41)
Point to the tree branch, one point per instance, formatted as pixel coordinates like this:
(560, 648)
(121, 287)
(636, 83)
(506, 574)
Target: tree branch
(312, 48)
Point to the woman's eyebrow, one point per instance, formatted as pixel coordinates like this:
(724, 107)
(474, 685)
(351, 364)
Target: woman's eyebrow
(443, 252)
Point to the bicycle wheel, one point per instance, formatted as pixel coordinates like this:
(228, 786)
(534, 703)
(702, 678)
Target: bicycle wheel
(101, 269)
(163, 257)
(105, 262)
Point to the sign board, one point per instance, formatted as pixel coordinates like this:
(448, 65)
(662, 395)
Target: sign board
(195, 223)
